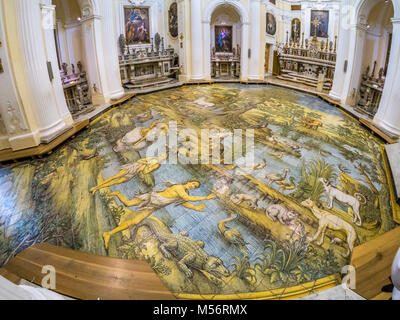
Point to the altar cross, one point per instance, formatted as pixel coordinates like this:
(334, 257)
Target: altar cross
(316, 23)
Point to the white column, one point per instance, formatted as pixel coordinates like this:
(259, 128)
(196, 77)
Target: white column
(207, 49)
(94, 58)
(342, 55)
(388, 115)
(355, 63)
(110, 43)
(184, 40)
(255, 38)
(48, 18)
(244, 58)
(38, 88)
(351, 49)
(197, 40)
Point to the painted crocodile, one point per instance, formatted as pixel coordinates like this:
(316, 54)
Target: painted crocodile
(189, 253)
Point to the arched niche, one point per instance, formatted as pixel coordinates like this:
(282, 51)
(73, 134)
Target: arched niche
(229, 14)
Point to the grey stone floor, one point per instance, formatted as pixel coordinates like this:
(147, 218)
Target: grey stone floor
(336, 293)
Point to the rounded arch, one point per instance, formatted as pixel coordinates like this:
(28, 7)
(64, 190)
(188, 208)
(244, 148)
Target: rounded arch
(89, 7)
(364, 7)
(244, 17)
(244, 23)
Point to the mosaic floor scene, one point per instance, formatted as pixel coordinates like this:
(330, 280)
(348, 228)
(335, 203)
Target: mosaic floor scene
(316, 189)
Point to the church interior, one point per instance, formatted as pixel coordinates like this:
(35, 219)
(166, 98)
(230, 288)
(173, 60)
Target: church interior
(199, 149)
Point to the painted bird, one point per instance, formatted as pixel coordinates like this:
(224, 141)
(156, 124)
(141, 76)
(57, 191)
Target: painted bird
(276, 177)
(232, 235)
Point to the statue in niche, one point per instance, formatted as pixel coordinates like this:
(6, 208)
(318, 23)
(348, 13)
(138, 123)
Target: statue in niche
(73, 68)
(157, 41)
(122, 44)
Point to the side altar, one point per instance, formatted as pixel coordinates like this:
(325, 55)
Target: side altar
(370, 93)
(310, 62)
(225, 65)
(146, 67)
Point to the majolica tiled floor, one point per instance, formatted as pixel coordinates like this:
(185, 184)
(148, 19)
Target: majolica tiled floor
(253, 229)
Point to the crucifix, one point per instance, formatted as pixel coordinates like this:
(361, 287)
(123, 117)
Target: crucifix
(316, 23)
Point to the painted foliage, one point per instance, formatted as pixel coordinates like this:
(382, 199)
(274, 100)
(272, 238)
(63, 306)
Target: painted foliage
(137, 25)
(213, 229)
(319, 23)
(223, 39)
(173, 19)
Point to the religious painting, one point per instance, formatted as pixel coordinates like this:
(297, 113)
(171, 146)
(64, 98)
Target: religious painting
(173, 20)
(296, 30)
(223, 39)
(271, 24)
(137, 25)
(319, 23)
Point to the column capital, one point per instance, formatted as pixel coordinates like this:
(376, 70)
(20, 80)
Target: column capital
(48, 7)
(91, 18)
(48, 16)
(359, 27)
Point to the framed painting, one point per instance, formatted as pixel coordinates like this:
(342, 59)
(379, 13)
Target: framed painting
(296, 29)
(319, 23)
(137, 25)
(223, 39)
(173, 20)
(271, 24)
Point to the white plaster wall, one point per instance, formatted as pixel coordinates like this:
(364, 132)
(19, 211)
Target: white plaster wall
(73, 39)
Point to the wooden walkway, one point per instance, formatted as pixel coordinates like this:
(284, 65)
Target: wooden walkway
(373, 263)
(42, 149)
(88, 277)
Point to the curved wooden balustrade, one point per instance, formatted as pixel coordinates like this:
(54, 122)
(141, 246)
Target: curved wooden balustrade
(88, 277)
